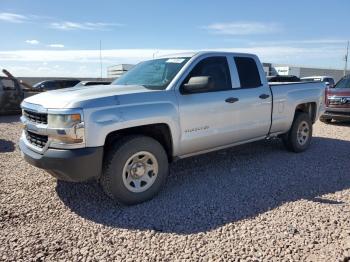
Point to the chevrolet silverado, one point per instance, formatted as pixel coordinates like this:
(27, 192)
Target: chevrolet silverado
(125, 134)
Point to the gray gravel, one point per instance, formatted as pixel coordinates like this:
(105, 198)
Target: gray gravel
(256, 202)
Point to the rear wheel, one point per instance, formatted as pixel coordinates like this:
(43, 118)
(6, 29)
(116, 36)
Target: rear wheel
(135, 170)
(299, 136)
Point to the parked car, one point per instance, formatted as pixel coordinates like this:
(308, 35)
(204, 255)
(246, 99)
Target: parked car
(12, 94)
(338, 101)
(93, 83)
(49, 85)
(326, 79)
(125, 134)
(282, 78)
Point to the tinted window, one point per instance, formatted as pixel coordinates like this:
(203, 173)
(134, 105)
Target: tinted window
(93, 83)
(49, 85)
(217, 69)
(96, 83)
(69, 83)
(248, 72)
(8, 84)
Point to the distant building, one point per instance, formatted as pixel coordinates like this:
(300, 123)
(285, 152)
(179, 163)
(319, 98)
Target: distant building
(116, 71)
(300, 71)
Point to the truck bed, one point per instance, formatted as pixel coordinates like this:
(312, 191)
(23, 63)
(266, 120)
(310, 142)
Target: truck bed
(286, 96)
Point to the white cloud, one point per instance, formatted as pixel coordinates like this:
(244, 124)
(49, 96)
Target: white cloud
(86, 56)
(326, 41)
(56, 45)
(12, 18)
(67, 26)
(59, 25)
(79, 63)
(268, 53)
(243, 28)
(32, 42)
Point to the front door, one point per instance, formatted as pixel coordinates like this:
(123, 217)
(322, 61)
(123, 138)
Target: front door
(207, 118)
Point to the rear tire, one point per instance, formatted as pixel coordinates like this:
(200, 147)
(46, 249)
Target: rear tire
(299, 136)
(135, 169)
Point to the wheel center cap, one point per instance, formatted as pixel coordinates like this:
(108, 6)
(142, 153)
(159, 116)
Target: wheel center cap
(138, 170)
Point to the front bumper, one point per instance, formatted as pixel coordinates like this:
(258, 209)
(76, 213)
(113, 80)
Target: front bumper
(336, 113)
(75, 165)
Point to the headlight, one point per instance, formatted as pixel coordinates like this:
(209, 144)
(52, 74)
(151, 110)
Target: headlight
(63, 121)
(65, 129)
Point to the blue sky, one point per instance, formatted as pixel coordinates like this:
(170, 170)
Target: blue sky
(61, 38)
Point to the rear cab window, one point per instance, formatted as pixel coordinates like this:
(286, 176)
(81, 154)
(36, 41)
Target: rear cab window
(248, 72)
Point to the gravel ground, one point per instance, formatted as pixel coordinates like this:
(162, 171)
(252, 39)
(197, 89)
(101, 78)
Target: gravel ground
(256, 202)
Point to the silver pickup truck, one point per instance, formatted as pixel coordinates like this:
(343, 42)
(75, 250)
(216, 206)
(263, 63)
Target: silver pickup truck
(125, 134)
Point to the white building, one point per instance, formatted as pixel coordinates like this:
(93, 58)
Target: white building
(116, 71)
(300, 71)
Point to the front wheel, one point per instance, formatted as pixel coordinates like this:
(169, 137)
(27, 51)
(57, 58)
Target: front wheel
(135, 169)
(299, 136)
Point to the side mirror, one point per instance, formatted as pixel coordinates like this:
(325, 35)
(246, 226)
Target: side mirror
(197, 84)
(329, 85)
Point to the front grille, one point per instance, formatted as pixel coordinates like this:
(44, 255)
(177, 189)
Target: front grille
(36, 140)
(339, 100)
(40, 118)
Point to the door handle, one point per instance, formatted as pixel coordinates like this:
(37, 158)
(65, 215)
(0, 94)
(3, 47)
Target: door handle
(264, 96)
(231, 100)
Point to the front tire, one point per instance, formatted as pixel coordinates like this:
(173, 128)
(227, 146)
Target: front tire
(299, 136)
(135, 169)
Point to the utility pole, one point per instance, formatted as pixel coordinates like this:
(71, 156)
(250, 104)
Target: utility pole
(154, 54)
(101, 59)
(346, 59)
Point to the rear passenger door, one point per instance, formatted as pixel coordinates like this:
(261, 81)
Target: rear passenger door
(254, 98)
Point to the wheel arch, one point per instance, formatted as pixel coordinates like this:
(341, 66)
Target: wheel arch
(160, 132)
(310, 108)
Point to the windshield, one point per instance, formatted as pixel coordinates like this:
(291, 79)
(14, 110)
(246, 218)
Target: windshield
(37, 85)
(153, 74)
(343, 83)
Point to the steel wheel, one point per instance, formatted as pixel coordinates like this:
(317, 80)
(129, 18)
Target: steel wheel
(140, 171)
(303, 133)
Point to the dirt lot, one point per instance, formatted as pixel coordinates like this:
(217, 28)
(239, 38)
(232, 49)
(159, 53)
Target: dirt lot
(256, 202)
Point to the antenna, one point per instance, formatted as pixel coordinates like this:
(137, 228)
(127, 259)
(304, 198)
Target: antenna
(346, 59)
(101, 59)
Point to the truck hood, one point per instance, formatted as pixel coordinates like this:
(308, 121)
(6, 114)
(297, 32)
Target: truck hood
(69, 97)
(338, 91)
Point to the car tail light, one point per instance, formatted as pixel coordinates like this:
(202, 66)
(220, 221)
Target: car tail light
(326, 96)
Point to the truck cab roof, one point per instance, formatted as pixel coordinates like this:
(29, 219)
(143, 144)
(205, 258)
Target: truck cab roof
(198, 53)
